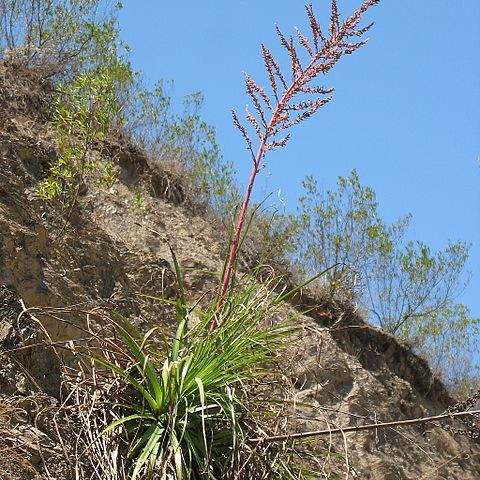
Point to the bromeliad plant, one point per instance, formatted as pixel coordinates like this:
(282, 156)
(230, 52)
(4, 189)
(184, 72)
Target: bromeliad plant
(189, 412)
(189, 415)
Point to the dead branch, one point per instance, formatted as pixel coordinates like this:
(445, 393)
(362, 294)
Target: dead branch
(319, 433)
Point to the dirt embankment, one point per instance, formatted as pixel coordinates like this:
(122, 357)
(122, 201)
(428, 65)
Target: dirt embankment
(108, 251)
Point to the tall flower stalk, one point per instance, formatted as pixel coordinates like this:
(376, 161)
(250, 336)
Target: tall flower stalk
(288, 103)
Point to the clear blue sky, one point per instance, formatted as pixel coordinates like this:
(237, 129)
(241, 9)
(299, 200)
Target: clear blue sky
(406, 113)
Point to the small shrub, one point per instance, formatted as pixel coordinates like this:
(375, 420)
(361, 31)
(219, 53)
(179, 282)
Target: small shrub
(64, 37)
(83, 114)
(339, 227)
(185, 141)
(139, 206)
(409, 290)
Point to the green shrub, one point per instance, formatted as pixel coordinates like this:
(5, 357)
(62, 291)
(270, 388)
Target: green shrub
(186, 142)
(76, 43)
(409, 290)
(64, 37)
(83, 114)
(339, 227)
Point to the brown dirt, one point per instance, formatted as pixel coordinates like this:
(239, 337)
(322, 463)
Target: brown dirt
(109, 251)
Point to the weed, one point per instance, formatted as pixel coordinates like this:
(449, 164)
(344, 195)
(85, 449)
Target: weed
(139, 206)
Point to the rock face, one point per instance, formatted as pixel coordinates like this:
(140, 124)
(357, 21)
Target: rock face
(108, 251)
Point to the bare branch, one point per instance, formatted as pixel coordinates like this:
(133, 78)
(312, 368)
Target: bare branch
(359, 428)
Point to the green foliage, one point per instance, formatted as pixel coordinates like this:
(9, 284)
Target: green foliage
(83, 114)
(77, 43)
(139, 206)
(408, 283)
(270, 239)
(448, 338)
(63, 35)
(185, 141)
(189, 414)
(409, 290)
(339, 228)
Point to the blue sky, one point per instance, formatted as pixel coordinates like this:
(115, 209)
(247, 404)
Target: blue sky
(406, 113)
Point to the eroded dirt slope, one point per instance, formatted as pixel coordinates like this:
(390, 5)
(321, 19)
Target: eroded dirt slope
(111, 249)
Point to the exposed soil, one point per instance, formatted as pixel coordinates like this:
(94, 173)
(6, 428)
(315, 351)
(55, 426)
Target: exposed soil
(109, 251)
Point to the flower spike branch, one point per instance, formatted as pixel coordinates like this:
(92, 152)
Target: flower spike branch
(290, 102)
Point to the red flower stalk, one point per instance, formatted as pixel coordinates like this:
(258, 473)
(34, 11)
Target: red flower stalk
(290, 103)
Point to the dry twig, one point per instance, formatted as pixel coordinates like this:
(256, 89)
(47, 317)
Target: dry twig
(319, 433)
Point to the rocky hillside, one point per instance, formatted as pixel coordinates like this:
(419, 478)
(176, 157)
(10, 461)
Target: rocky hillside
(112, 248)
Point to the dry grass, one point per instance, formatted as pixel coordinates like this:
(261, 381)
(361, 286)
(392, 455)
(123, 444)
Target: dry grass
(13, 462)
(93, 454)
